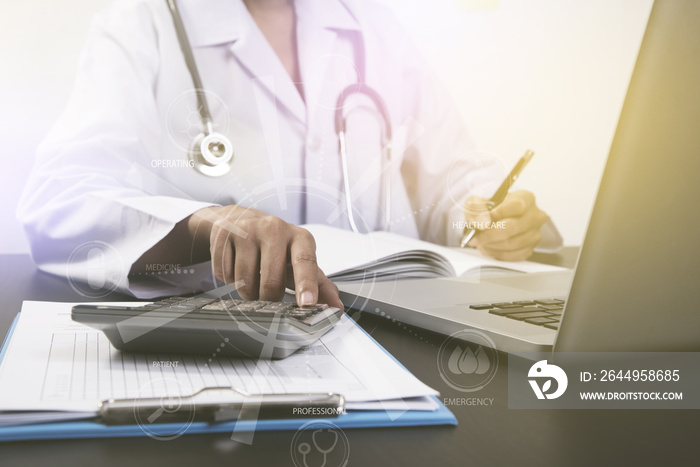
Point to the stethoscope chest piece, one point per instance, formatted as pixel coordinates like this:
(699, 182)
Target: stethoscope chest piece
(211, 154)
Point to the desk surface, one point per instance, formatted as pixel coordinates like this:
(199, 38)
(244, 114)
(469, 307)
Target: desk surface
(486, 435)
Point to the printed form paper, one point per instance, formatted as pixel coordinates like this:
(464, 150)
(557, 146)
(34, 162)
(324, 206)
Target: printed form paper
(55, 364)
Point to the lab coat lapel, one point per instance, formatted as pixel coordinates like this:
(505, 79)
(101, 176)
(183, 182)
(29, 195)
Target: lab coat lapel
(315, 46)
(215, 22)
(318, 25)
(255, 54)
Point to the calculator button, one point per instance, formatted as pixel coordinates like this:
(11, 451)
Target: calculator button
(198, 301)
(265, 311)
(169, 301)
(319, 315)
(178, 308)
(278, 306)
(311, 308)
(243, 308)
(216, 306)
(298, 314)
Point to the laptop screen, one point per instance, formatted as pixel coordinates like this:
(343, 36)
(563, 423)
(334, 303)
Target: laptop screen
(637, 284)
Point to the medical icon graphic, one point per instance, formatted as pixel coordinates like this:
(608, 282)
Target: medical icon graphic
(156, 421)
(320, 444)
(168, 404)
(467, 360)
(94, 269)
(305, 448)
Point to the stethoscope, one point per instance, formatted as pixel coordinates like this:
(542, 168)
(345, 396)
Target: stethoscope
(304, 448)
(211, 153)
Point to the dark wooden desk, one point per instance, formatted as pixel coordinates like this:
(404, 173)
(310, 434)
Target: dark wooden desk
(486, 435)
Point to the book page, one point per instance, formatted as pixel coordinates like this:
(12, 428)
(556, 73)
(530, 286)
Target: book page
(340, 251)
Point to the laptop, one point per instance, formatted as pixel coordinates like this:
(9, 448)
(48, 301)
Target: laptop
(636, 286)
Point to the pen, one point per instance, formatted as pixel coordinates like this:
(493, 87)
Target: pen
(501, 193)
(237, 405)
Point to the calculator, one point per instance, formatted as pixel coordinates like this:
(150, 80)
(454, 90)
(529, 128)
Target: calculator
(211, 324)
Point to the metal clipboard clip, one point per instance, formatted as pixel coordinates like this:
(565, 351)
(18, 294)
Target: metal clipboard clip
(231, 404)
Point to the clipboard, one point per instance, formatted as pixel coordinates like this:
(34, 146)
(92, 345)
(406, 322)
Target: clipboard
(354, 419)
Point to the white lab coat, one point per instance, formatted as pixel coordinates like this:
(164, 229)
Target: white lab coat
(111, 179)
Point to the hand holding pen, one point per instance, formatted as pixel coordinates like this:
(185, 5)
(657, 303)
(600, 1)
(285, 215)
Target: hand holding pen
(514, 220)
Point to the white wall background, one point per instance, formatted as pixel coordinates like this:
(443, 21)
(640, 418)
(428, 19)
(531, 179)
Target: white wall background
(549, 75)
(40, 42)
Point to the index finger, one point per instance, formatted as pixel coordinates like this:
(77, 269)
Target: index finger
(303, 257)
(515, 205)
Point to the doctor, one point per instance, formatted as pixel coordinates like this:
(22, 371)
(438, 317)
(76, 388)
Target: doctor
(114, 188)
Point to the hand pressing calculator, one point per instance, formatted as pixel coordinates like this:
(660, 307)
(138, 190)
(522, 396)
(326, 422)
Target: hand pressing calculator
(211, 324)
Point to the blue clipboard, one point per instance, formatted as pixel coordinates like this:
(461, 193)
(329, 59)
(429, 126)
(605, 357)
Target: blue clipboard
(90, 429)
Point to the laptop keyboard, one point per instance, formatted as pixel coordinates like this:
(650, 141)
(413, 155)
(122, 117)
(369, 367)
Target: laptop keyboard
(545, 312)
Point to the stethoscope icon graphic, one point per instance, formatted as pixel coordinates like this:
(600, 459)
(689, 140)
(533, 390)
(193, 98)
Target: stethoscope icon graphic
(305, 448)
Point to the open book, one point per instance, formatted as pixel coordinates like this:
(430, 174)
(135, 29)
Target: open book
(348, 257)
